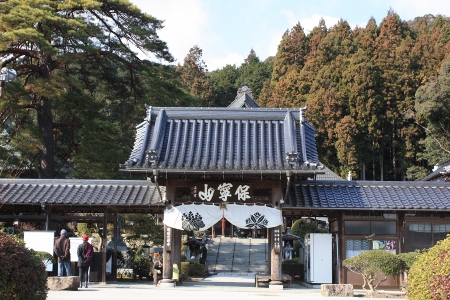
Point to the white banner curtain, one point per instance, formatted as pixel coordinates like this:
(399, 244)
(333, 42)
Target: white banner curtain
(200, 217)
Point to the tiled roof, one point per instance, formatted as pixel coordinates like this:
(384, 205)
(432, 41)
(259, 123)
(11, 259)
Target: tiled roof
(244, 101)
(78, 192)
(370, 195)
(322, 195)
(223, 139)
(441, 172)
(328, 175)
(244, 98)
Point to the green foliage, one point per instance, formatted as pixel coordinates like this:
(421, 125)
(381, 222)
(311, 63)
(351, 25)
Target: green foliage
(292, 267)
(78, 76)
(191, 269)
(45, 257)
(224, 86)
(433, 107)
(141, 267)
(416, 173)
(300, 228)
(359, 86)
(429, 276)
(22, 274)
(184, 272)
(372, 262)
(254, 73)
(142, 227)
(83, 228)
(409, 259)
(193, 74)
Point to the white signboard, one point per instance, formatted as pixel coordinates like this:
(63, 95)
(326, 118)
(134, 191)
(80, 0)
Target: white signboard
(41, 241)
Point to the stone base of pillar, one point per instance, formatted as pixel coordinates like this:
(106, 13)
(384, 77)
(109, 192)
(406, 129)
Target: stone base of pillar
(167, 283)
(276, 285)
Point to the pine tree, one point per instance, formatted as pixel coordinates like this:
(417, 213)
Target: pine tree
(59, 49)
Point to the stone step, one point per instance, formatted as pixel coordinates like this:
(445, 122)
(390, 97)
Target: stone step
(237, 254)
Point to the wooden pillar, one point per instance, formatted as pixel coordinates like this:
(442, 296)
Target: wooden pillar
(275, 263)
(342, 248)
(269, 247)
(114, 254)
(176, 248)
(169, 251)
(167, 255)
(275, 237)
(104, 241)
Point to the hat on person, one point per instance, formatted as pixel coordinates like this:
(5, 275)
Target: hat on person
(63, 232)
(85, 237)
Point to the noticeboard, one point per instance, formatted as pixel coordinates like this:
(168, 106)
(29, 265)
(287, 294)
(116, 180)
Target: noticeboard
(41, 241)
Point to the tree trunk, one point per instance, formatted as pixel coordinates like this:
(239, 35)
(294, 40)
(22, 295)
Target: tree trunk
(45, 125)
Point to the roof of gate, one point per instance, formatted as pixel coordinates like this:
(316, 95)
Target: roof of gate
(75, 192)
(187, 139)
(370, 195)
(321, 195)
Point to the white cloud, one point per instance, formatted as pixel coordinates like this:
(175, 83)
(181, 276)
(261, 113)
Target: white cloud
(186, 24)
(409, 10)
(309, 23)
(215, 63)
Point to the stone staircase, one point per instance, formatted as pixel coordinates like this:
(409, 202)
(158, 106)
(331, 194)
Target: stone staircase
(237, 255)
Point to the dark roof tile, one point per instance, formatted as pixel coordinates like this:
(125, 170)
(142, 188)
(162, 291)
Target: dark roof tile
(374, 195)
(224, 139)
(79, 192)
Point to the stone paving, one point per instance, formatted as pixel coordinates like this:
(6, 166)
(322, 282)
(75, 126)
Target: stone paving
(229, 286)
(234, 261)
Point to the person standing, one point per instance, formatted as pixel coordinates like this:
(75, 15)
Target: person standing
(62, 251)
(203, 254)
(157, 270)
(85, 253)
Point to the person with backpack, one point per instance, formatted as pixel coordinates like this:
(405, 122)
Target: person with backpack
(85, 254)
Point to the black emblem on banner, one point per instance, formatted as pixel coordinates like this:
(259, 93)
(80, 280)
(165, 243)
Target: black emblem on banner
(256, 221)
(192, 222)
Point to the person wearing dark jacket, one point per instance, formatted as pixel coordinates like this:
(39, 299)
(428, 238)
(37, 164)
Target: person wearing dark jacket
(62, 251)
(85, 254)
(157, 270)
(203, 254)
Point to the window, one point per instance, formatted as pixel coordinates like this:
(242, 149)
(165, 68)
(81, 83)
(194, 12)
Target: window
(424, 235)
(354, 247)
(440, 231)
(418, 236)
(370, 227)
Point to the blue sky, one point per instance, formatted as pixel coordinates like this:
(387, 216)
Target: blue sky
(227, 30)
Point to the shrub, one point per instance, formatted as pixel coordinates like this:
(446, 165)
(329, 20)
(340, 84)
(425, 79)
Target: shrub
(301, 228)
(191, 269)
(409, 259)
(369, 263)
(141, 267)
(184, 272)
(292, 267)
(429, 275)
(22, 274)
